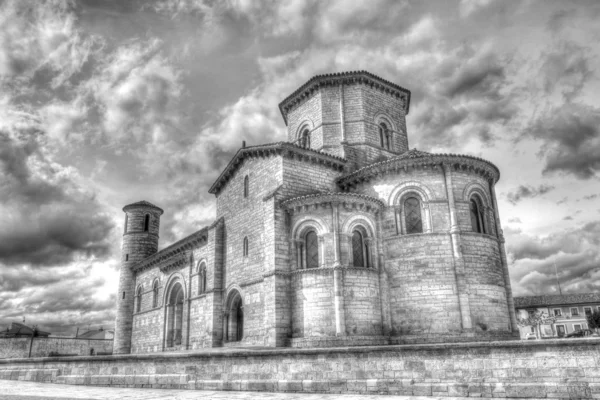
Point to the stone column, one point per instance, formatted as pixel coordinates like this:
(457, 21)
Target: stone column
(384, 292)
(509, 298)
(225, 327)
(342, 116)
(459, 262)
(338, 277)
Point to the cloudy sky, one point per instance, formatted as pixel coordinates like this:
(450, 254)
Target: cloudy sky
(107, 102)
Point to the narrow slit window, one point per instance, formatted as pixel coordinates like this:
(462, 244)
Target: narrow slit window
(245, 252)
(155, 294)
(312, 250)
(412, 212)
(358, 249)
(477, 219)
(305, 141)
(146, 222)
(246, 186)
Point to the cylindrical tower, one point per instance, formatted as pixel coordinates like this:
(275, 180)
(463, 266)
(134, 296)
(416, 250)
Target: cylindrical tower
(140, 240)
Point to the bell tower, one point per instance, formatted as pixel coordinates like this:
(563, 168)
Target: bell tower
(355, 115)
(140, 240)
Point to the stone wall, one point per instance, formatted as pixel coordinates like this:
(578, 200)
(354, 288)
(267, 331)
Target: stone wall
(43, 347)
(517, 369)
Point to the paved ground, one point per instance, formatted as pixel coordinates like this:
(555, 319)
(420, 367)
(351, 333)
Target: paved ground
(20, 390)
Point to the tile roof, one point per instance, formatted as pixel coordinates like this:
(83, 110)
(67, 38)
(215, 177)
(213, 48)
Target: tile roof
(334, 78)
(142, 203)
(271, 148)
(414, 154)
(556, 300)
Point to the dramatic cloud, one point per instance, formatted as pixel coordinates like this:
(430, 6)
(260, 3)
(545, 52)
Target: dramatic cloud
(571, 139)
(575, 253)
(527, 192)
(104, 103)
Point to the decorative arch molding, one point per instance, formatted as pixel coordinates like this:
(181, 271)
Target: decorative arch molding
(174, 278)
(383, 117)
(306, 123)
(476, 188)
(202, 260)
(309, 221)
(410, 186)
(358, 220)
(229, 295)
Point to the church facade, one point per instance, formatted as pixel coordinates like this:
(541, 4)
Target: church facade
(341, 235)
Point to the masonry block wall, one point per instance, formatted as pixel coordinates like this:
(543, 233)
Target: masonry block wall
(382, 270)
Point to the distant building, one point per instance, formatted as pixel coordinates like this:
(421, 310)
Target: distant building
(20, 330)
(97, 334)
(570, 310)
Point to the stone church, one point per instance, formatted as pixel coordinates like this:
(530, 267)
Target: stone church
(339, 236)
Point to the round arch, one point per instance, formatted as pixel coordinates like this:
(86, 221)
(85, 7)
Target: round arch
(412, 186)
(307, 222)
(351, 222)
(383, 117)
(233, 321)
(305, 124)
(174, 278)
(476, 188)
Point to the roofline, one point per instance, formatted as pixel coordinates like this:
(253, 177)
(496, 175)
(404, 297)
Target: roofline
(143, 204)
(341, 77)
(429, 159)
(197, 238)
(280, 148)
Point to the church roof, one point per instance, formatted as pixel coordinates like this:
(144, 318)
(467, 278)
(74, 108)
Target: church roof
(142, 203)
(365, 77)
(556, 300)
(419, 158)
(268, 149)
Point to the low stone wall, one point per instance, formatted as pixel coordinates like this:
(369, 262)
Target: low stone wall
(45, 347)
(537, 369)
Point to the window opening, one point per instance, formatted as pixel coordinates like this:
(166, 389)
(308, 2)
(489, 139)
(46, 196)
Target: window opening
(305, 142)
(312, 250)
(175, 316)
(245, 251)
(412, 211)
(146, 222)
(155, 294)
(246, 186)
(476, 216)
(358, 249)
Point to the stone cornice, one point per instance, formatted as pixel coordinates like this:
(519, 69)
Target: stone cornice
(174, 255)
(419, 159)
(285, 149)
(353, 200)
(351, 77)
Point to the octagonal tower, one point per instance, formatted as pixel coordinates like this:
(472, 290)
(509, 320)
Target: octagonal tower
(354, 115)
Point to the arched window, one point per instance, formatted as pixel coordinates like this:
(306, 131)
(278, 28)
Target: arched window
(384, 136)
(126, 219)
(477, 217)
(146, 222)
(412, 215)
(155, 294)
(305, 141)
(175, 316)
(202, 278)
(360, 251)
(138, 299)
(246, 186)
(245, 251)
(312, 249)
